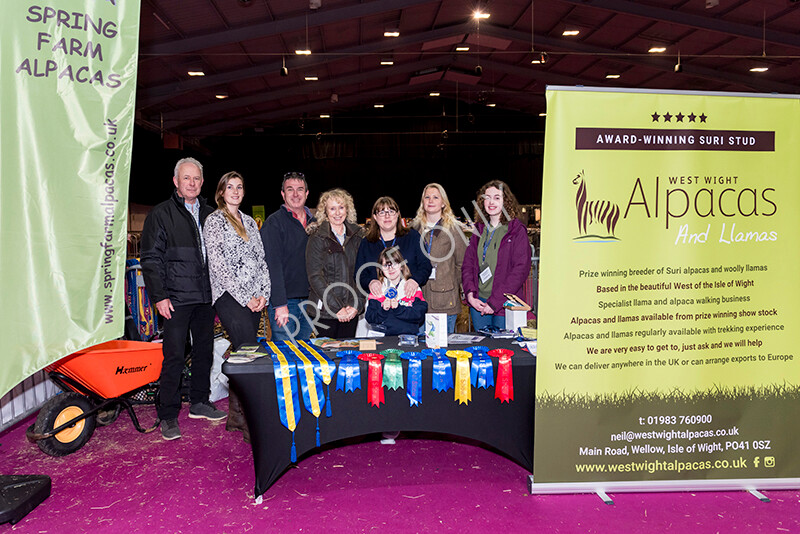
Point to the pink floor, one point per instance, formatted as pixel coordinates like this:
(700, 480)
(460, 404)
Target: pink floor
(123, 481)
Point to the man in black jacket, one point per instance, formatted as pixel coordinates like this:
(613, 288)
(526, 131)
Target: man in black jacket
(175, 273)
(284, 236)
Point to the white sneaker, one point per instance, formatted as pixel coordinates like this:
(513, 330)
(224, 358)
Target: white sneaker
(389, 437)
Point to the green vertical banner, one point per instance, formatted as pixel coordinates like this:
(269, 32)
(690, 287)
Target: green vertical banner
(668, 354)
(67, 88)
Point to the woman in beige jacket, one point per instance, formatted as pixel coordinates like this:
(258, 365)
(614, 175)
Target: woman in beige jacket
(443, 241)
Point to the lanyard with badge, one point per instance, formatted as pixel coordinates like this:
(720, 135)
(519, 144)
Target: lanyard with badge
(486, 272)
(429, 247)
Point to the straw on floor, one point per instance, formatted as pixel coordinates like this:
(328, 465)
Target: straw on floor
(123, 481)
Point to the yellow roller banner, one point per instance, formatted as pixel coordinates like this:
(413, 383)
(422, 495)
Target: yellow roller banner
(668, 353)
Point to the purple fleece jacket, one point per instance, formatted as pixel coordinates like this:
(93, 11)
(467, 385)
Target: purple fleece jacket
(513, 265)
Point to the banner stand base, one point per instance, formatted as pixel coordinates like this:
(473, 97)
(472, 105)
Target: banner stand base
(604, 496)
(601, 488)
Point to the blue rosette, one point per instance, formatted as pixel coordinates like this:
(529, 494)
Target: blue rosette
(442, 370)
(348, 376)
(482, 371)
(414, 385)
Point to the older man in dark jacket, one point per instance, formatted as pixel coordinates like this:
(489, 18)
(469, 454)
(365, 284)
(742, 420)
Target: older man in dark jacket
(175, 273)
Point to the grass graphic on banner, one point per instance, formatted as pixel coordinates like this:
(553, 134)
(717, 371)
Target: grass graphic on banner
(639, 435)
(631, 398)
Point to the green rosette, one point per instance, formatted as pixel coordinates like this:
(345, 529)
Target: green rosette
(392, 369)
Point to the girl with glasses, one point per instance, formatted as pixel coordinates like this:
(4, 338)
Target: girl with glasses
(386, 230)
(392, 311)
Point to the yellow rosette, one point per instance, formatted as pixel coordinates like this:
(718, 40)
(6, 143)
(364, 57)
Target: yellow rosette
(463, 388)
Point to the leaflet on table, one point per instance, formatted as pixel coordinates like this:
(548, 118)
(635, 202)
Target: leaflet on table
(328, 343)
(527, 333)
(245, 354)
(497, 333)
(244, 358)
(464, 339)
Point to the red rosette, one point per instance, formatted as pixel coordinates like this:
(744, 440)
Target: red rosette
(504, 389)
(374, 378)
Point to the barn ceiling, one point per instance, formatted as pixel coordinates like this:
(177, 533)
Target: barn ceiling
(441, 52)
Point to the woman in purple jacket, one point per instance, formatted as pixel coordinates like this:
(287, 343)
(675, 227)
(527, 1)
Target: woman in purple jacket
(498, 258)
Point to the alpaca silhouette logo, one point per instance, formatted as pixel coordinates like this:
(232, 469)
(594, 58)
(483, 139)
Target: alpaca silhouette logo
(600, 213)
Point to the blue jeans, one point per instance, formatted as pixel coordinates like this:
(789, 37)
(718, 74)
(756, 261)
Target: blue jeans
(481, 321)
(297, 327)
(451, 323)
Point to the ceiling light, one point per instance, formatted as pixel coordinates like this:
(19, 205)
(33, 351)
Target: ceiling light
(759, 69)
(491, 105)
(462, 49)
(221, 96)
(324, 116)
(610, 76)
(305, 52)
(543, 114)
(570, 33)
(657, 49)
(540, 59)
(387, 62)
(433, 94)
(311, 78)
(196, 73)
(480, 15)
(391, 32)
(377, 106)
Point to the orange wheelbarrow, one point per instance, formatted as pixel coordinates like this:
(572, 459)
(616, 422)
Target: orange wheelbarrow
(98, 383)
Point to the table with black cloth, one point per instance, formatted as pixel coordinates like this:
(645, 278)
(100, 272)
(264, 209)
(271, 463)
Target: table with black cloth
(506, 427)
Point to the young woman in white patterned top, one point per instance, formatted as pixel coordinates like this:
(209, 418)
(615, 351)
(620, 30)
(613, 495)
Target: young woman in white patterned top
(240, 283)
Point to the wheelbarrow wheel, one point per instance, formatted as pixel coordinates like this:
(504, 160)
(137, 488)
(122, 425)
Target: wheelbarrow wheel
(57, 411)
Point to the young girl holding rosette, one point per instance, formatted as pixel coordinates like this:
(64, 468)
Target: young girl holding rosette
(392, 312)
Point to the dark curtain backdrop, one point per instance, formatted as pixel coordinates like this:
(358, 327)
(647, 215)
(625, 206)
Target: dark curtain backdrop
(397, 159)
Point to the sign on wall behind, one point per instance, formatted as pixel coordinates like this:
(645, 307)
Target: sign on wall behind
(668, 290)
(67, 86)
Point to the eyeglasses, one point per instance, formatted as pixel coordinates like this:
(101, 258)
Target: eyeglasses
(295, 175)
(390, 265)
(386, 213)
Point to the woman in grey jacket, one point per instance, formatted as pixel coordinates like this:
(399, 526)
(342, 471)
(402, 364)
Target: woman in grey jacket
(330, 263)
